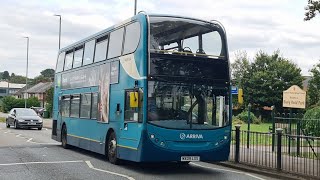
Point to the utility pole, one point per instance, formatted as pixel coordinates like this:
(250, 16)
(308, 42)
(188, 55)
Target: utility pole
(58, 15)
(25, 98)
(135, 7)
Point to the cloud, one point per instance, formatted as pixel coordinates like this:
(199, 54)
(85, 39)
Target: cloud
(250, 25)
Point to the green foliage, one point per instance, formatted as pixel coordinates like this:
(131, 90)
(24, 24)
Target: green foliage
(49, 99)
(311, 121)
(244, 117)
(312, 9)
(18, 79)
(5, 75)
(314, 86)
(48, 73)
(265, 79)
(40, 78)
(10, 102)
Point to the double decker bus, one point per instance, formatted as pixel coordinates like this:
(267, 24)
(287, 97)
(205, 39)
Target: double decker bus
(152, 88)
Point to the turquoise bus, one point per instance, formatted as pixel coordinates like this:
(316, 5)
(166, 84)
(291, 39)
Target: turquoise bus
(152, 88)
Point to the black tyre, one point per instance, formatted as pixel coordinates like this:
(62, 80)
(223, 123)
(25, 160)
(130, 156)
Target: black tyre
(39, 128)
(64, 133)
(112, 149)
(7, 124)
(16, 126)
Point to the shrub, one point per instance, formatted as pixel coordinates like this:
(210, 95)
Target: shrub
(236, 120)
(311, 121)
(244, 117)
(10, 102)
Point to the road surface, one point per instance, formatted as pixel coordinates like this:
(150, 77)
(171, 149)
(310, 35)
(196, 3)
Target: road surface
(31, 154)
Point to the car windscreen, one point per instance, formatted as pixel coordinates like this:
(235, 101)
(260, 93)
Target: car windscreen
(25, 112)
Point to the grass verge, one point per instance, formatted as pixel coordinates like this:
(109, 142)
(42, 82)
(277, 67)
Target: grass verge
(2, 119)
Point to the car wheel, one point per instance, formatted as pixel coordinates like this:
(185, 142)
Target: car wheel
(16, 126)
(64, 142)
(7, 124)
(39, 128)
(112, 149)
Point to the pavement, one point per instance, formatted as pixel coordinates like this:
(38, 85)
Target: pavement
(32, 154)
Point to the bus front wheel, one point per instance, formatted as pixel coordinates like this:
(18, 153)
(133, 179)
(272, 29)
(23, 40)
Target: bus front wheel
(112, 149)
(64, 142)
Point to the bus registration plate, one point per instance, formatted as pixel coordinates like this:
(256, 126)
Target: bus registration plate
(190, 158)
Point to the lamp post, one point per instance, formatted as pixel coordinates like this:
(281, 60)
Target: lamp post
(135, 7)
(58, 15)
(25, 99)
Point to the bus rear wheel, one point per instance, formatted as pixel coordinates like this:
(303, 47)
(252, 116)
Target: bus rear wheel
(64, 141)
(112, 149)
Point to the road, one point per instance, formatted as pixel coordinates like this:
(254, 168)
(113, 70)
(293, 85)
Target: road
(31, 154)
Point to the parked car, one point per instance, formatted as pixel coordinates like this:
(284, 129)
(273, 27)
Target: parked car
(23, 118)
(38, 110)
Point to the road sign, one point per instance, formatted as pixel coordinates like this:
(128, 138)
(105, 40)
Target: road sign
(234, 90)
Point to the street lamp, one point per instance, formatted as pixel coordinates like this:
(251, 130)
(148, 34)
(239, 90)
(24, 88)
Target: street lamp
(58, 15)
(135, 7)
(25, 99)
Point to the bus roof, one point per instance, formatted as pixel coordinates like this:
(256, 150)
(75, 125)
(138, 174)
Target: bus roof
(78, 43)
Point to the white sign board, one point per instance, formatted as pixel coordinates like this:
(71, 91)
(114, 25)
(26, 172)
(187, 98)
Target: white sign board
(294, 97)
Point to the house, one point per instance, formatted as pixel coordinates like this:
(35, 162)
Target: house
(38, 90)
(7, 88)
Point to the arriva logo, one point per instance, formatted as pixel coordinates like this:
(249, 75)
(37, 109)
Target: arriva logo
(190, 136)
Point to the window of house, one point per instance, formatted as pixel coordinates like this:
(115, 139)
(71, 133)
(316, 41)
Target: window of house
(101, 49)
(88, 52)
(85, 105)
(132, 38)
(74, 109)
(65, 107)
(115, 47)
(60, 62)
(68, 60)
(94, 107)
(77, 62)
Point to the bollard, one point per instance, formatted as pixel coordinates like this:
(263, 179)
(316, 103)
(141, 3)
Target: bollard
(273, 127)
(237, 149)
(279, 135)
(248, 133)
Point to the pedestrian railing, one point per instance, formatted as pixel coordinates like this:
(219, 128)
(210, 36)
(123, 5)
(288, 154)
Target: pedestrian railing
(291, 153)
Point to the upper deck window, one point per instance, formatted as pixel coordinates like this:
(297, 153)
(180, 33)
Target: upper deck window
(186, 37)
(78, 57)
(68, 61)
(60, 62)
(101, 49)
(88, 52)
(115, 47)
(132, 38)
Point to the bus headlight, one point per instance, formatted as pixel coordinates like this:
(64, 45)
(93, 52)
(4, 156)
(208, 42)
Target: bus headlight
(152, 136)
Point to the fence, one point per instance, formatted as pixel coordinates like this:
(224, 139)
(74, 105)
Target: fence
(286, 156)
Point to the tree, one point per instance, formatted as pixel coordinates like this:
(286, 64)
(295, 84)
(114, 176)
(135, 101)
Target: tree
(312, 9)
(314, 86)
(268, 76)
(48, 73)
(18, 79)
(41, 78)
(239, 68)
(49, 100)
(5, 75)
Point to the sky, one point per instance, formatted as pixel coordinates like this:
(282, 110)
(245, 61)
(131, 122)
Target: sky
(266, 25)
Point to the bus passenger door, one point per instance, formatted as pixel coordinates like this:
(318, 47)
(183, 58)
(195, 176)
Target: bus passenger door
(131, 127)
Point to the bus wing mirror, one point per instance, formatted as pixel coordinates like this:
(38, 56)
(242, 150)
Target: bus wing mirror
(134, 99)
